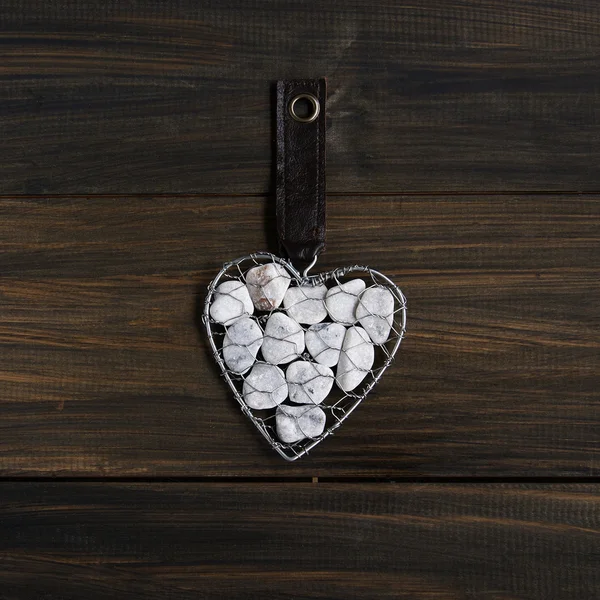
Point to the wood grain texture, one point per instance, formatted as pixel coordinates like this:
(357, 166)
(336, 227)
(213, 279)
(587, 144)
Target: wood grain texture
(105, 372)
(254, 541)
(148, 96)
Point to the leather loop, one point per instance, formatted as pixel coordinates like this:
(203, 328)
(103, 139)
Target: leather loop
(300, 182)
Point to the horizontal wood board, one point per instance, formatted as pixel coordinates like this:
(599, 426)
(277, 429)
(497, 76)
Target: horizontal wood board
(150, 97)
(403, 542)
(105, 371)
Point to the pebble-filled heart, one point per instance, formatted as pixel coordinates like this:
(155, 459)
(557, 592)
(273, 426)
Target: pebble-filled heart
(297, 346)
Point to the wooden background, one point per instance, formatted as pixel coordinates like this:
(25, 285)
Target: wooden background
(136, 157)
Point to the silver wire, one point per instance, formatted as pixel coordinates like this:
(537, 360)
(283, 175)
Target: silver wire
(339, 407)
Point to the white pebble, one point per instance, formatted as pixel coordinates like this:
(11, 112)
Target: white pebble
(231, 301)
(375, 312)
(356, 359)
(324, 342)
(341, 301)
(265, 387)
(306, 303)
(284, 339)
(241, 344)
(267, 285)
(295, 423)
(308, 382)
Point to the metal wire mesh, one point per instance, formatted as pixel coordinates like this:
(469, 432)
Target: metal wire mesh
(297, 408)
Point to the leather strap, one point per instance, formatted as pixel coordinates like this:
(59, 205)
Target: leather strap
(300, 181)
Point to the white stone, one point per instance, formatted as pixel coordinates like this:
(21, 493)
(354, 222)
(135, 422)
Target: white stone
(241, 344)
(375, 312)
(265, 387)
(324, 342)
(356, 359)
(284, 339)
(295, 423)
(267, 285)
(231, 301)
(306, 303)
(308, 382)
(341, 301)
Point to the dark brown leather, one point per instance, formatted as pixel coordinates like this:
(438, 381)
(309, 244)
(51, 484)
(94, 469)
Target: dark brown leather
(300, 182)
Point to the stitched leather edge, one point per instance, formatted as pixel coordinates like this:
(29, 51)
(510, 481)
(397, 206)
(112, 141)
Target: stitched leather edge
(300, 174)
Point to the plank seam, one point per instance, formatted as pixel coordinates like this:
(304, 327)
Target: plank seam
(309, 479)
(330, 194)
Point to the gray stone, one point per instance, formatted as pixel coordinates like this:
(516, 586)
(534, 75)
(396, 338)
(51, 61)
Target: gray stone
(295, 423)
(308, 382)
(284, 339)
(341, 301)
(264, 387)
(241, 344)
(231, 301)
(306, 303)
(267, 285)
(324, 342)
(356, 359)
(375, 312)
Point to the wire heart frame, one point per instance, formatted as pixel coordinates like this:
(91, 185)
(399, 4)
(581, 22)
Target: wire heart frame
(338, 405)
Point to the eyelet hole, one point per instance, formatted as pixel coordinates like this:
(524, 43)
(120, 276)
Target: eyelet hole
(304, 108)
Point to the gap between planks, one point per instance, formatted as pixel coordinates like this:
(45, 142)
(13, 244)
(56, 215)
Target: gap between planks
(199, 195)
(308, 479)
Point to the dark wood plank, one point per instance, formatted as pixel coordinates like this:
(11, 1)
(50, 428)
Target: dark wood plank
(301, 541)
(104, 371)
(151, 97)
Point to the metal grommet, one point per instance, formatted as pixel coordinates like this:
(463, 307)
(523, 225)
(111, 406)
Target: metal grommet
(316, 107)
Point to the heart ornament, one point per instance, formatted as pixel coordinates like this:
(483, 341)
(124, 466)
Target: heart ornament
(301, 352)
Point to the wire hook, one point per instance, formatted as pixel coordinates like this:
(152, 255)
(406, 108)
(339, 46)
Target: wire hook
(312, 264)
